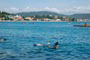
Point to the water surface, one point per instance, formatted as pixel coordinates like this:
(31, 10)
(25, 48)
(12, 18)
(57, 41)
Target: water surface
(74, 41)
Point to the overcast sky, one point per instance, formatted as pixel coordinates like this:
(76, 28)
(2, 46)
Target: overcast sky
(60, 6)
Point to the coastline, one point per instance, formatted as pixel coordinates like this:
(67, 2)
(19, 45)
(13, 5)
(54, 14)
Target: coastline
(37, 21)
(31, 21)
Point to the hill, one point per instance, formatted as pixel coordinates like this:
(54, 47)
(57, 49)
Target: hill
(3, 14)
(85, 15)
(40, 13)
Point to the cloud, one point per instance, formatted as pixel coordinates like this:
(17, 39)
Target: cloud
(11, 10)
(52, 9)
(58, 10)
(28, 9)
(75, 10)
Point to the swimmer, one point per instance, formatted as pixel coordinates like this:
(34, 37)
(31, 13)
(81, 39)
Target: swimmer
(2, 40)
(55, 46)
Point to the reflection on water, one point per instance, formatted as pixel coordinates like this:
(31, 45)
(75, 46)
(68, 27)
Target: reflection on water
(74, 41)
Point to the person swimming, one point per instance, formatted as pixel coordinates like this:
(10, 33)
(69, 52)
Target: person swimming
(56, 44)
(2, 39)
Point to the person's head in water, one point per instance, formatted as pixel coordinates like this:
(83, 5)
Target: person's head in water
(56, 45)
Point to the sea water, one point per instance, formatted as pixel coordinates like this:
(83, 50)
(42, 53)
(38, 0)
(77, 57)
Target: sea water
(74, 42)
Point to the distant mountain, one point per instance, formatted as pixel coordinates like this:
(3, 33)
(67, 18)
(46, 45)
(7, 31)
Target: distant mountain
(40, 13)
(84, 15)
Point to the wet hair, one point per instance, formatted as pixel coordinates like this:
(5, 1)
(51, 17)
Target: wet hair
(56, 44)
(35, 45)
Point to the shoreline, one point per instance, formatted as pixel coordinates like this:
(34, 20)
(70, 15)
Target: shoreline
(32, 21)
(38, 21)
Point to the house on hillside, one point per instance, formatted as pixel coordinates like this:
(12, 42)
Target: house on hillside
(18, 18)
(29, 18)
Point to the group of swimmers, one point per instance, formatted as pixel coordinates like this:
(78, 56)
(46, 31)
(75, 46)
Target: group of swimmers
(55, 46)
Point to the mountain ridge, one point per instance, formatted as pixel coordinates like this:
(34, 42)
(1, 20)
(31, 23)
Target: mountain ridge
(81, 15)
(41, 13)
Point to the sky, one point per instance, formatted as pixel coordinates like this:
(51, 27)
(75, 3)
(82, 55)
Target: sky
(59, 6)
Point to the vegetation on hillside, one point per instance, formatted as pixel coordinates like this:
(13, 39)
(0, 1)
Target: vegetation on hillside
(3, 14)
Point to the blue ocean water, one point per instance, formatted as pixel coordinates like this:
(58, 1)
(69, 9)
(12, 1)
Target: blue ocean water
(74, 42)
